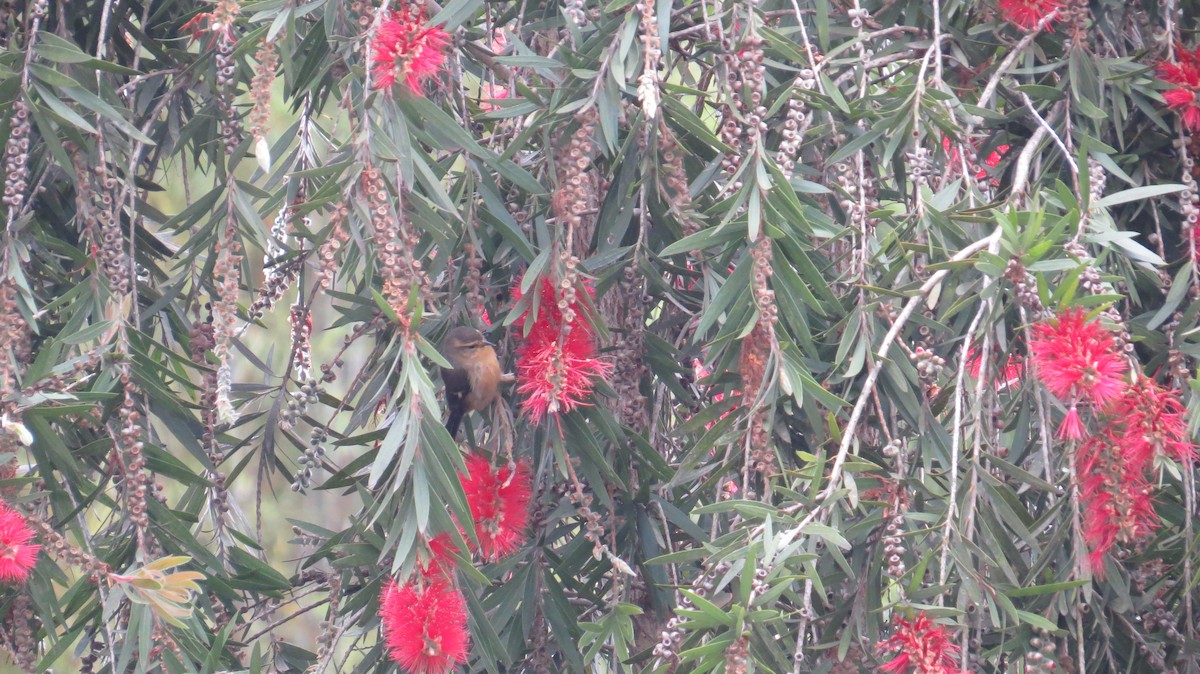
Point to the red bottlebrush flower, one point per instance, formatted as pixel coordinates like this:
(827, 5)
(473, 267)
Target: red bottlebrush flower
(1012, 374)
(1077, 360)
(1184, 74)
(499, 502)
(1027, 14)
(424, 628)
(217, 23)
(1189, 108)
(556, 368)
(1115, 495)
(1184, 100)
(208, 22)
(197, 25)
(993, 160)
(1178, 98)
(404, 49)
(919, 646)
(1115, 466)
(1150, 420)
(553, 378)
(17, 555)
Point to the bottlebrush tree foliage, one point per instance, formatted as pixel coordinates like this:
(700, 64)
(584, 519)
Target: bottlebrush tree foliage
(848, 336)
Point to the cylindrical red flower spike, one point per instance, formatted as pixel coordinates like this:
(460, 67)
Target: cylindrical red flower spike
(1114, 466)
(1026, 14)
(556, 368)
(1005, 376)
(1077, 361)
(557, 379)
(17, 555)
(919, 646)
(1150, 420)
(425, 626)
(1115, 495)
(993, 160)
(499, 501)
(1184, 75)
(405, 49)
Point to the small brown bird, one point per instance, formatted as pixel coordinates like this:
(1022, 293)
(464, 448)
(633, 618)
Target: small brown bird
(473, 383)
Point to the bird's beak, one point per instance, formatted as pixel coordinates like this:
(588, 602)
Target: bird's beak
(489, 342)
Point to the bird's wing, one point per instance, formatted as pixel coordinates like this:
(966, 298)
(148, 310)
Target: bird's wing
(458, 385)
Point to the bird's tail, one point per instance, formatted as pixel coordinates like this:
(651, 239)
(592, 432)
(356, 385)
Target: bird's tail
(454, 420)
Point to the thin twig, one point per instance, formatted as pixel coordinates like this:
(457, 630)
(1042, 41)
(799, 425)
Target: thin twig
(1079, 559)
(869, 385)
(1067, 154)
(877, 63)
(288, 618)
(956, 437)
(101, 583)
(133, 82)
(102, 39)
(1043, 420)
(990, 89)
(1020, 178)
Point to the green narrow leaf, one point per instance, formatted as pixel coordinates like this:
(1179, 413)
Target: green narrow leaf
(1138, 194)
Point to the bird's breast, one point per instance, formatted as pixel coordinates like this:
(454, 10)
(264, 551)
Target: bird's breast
(485, 380)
